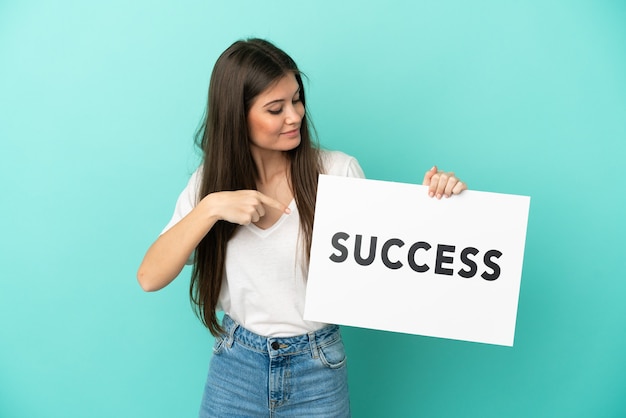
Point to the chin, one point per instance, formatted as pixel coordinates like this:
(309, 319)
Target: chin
(292, 145)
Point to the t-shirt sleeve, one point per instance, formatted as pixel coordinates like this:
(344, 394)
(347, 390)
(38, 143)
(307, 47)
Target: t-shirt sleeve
(187, 200)
(354, 169)
(337, 163)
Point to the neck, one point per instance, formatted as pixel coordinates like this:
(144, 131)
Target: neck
(270, 165)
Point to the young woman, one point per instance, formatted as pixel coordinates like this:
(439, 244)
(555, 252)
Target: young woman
(245, 221)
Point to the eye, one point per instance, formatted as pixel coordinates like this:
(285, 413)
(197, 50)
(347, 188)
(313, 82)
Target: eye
(275, 111)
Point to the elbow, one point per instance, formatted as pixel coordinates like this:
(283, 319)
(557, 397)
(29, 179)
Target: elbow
(146, 284)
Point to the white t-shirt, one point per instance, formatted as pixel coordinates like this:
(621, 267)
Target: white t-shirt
(265, 280)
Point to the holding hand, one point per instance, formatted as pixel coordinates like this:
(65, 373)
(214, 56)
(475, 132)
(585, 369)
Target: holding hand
(441, 183)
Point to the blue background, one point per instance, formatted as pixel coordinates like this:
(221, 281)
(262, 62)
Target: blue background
(98, 105)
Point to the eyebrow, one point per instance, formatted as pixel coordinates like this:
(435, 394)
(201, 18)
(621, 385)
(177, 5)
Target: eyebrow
(280, 100)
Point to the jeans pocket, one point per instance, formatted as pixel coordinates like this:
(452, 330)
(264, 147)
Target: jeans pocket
(333, 355)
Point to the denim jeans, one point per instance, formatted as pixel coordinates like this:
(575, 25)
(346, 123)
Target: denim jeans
(254, 376)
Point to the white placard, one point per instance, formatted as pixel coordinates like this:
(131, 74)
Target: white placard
(448, 268)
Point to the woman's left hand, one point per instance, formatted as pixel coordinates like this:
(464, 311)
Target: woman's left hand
(441, 183)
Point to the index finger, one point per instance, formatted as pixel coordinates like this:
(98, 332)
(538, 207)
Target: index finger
(266, 200)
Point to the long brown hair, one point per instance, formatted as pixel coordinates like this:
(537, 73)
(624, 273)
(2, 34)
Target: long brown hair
(242, 72)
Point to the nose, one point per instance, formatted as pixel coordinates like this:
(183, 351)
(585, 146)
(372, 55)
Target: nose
(294, 114)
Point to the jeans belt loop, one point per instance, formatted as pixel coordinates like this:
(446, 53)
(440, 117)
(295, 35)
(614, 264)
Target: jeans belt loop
(231, 333)
(313, 345)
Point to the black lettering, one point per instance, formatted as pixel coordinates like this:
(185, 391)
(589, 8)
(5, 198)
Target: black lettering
(343, 251)
(441, 249)
(357, 251)
(493, 266)
(420, 268)
(385, 253)
(473, 268)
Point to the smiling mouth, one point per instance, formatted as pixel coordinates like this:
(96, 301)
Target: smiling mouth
(292, 132)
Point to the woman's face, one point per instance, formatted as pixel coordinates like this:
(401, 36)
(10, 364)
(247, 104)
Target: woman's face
(275, 116)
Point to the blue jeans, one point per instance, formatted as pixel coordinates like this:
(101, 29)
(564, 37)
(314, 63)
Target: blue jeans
(254, 376)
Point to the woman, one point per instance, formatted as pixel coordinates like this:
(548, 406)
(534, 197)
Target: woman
(245, 221)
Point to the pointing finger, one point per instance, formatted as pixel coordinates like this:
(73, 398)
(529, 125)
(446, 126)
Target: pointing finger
(266, 200)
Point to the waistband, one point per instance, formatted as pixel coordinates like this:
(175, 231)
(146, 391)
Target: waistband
(299, 344)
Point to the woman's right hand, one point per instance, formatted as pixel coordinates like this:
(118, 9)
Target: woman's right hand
(240, 207)
(167, 256)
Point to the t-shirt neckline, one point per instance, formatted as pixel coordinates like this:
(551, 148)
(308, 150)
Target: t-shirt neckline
(268, 231)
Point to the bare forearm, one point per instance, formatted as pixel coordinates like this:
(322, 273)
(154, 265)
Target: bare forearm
(166, 258)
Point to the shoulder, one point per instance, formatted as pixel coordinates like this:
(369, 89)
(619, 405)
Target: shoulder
(195, 180)
(192, 189)
(187, 199)
(191, 192)
(337, 163)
